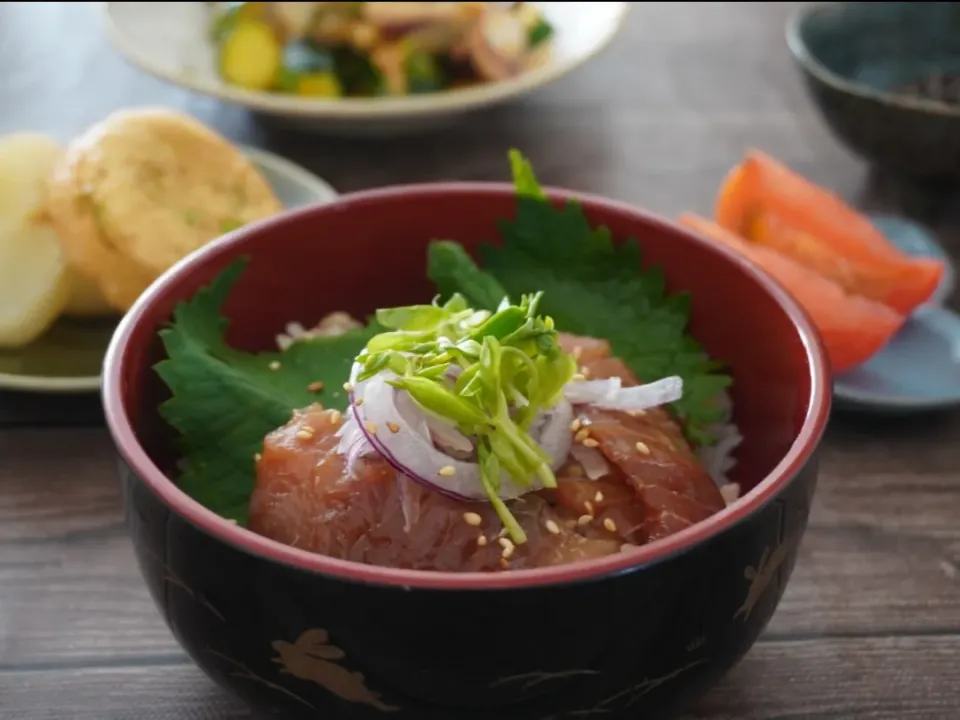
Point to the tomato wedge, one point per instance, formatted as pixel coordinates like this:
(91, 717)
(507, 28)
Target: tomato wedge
(853, 328)
(767, 203)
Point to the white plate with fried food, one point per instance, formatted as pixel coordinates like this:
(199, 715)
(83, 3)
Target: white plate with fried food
(85, 228)
(371, 68)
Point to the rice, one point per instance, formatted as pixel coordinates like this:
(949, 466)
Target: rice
(336, 323)
(717, 459)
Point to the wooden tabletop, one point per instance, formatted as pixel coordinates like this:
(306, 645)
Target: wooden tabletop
(870, 624)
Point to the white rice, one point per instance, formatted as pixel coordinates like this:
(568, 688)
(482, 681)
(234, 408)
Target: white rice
(717, 459)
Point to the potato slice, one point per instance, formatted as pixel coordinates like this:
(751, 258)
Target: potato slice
(33, 273)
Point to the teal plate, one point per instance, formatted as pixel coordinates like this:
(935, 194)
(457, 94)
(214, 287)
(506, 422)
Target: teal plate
(919, 369)
(68, 357)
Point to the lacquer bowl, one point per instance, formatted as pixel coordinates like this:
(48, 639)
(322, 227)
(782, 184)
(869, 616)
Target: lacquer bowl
(633, 635)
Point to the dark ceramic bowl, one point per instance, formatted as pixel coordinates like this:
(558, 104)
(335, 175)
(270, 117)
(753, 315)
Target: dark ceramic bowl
(625, 636)
(856, 56)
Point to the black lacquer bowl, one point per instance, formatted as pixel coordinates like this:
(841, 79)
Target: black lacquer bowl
(628, 636)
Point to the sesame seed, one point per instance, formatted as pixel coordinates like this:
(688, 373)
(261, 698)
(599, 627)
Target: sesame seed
(578, 376)
(577, 352)
(348, 386)
(335, 416)
(447, 471)
(584, 519)
(304, 434)
(508, 547)
(394, 428)
(482, 540)
(610, 525)
(598, 498)
(257, 457)
(642, 447)
(274, 365)
(588, 506)
(575, 425)
(507, 553)
(582, 435)
(637, 413)
(505, 542)
(358, 402)
(503, 563)
(585, 371)
(471, 518)
(502, 533)
(371, 428)
(590, 442)
(553, 527)
(315, 386)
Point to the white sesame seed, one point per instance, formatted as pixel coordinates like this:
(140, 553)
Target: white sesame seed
(590, 442)
(447, 471)
(577, 352)
(642, 448)
(610, 525)
(471, 518)
(482, 540)
(358, 402)
(581, 435)
(304, 434)
(598, 498)
(348, 386)
(578, 376)
(584, 519)
(274, 365)
(394, 428)
(257, 457)
(552, 527)
(575, 425)
(335, 416)
(371, 428)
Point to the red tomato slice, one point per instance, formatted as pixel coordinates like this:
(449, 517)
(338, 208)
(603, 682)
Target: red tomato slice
(767, 203)
(853, 328)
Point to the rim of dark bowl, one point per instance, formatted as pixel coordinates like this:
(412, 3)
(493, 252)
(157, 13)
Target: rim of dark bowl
(803, 55)
(800, 452)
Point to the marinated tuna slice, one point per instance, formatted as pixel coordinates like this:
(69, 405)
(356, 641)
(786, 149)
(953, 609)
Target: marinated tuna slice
(630, 479)
(308, 498)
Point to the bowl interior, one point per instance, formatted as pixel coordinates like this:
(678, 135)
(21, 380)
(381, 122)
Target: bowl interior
(369, 250)
(882, 45)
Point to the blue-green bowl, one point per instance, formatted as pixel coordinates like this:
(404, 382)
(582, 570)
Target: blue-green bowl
(855, 55)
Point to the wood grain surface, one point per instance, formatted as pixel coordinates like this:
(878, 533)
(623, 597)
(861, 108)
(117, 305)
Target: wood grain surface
(870, 624)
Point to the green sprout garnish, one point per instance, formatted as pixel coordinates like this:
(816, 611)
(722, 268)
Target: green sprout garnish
(507, 368)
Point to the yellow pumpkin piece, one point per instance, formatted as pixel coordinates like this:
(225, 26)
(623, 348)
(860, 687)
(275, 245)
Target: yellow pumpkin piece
(251, 55)
(323, 84)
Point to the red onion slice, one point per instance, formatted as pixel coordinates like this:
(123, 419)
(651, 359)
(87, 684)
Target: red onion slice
(406, 443)
(611, 395)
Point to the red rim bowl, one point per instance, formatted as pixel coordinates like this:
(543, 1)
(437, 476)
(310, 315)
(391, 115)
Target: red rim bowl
(124, 434)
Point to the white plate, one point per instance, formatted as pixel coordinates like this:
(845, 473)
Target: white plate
(67, 358)
(170, 40)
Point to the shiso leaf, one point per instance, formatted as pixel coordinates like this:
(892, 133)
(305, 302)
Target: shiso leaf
(224, 401)
(591, 286)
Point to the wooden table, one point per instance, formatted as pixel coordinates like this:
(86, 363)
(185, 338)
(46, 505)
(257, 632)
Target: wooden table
(870, 625)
